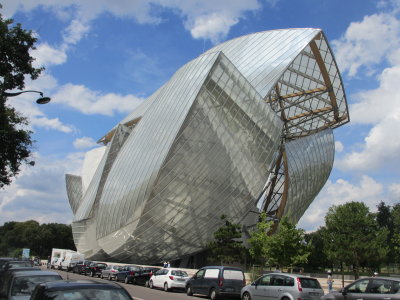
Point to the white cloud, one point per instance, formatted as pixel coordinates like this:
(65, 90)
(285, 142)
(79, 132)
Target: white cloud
(45, 55)
(367, 190)
(339, 146)
(367, 43)
(92, 102)
(39, 193)
(75, 32)
(84, 143)
(207, 19)
(395, 191)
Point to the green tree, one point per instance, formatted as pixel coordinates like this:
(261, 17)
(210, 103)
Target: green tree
(317, 260)
(285, 248)
(15, 63)
(40, 239)
(259, 240)
(288, 247)
(227, 247)
(353, 236)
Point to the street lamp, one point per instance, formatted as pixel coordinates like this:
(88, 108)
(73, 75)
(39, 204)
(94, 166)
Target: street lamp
(41, 100)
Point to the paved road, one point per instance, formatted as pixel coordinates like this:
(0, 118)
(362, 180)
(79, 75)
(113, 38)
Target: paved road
(138, 292)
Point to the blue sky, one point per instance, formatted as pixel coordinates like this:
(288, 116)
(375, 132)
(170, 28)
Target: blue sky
(103, 58)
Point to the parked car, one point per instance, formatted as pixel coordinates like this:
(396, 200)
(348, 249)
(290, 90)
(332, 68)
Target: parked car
(4, 277)
(216, 282)
(130, 270)
(368, 288)
(168, 279)
(94, 269)
(81, 266)
(143, 276)
(283, 286)
(21, 284)
(110, 272)
(80, 289)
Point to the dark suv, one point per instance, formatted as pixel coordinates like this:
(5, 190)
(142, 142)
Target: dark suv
(94, 269)
(81, 266)
(216, 282)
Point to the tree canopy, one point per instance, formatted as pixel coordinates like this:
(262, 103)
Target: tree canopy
(353, 237)
(39, 238)
(227, 246)
(15, 64)
(285, 248)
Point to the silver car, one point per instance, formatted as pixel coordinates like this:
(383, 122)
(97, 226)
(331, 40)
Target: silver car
(283, 286)
(368, 288)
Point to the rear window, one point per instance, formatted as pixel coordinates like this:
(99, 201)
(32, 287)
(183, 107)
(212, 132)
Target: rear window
(233, 274)
(179, 273)
(309, 283)
(97, 294)
(24, 286)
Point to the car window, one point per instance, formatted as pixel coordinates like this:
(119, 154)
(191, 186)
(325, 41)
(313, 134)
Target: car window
(396, 287)
(278, 280)
(179, 273)
(289, 281)
(265, 280)
(200, 273)
(211, 273)
(233, 274)
(25, 285)
(78, 294)
(359, 286)
(309, 283)
(380, 286)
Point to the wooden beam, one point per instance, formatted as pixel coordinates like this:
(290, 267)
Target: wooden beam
(308, 113)
(325, 76)
(321, 89)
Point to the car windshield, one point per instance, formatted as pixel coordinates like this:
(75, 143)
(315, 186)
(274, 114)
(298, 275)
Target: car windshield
(88, 294)
(309, 283)
(24, 285)
(179, 273)
(17, 264)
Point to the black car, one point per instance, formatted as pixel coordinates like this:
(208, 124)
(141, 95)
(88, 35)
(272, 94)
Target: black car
(216, 282)
(126, 271)
(94, 269)
(80, 289)
(22, 283)
(81, 266)
(142, 277)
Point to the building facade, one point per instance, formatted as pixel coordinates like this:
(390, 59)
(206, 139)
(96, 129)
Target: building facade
(245, 127)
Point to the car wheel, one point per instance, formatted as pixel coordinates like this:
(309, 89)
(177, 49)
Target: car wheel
(109, 277)
(166, 288)
(213, 294)
(151, 284)
(134, 281)
(92, 274)
(189, 291)
(246, 296)
(126, 280)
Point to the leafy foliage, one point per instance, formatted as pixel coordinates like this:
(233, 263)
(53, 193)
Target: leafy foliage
(227, 248)
(40, 239)
(353, 237)
(285, 248)
(15, 64)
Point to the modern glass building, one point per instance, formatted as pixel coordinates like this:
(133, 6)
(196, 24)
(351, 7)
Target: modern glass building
(246, 127)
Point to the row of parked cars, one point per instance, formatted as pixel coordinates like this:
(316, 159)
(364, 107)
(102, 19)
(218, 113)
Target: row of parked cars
(20, 279)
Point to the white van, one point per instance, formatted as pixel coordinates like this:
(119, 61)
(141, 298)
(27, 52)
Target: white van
(70, 260)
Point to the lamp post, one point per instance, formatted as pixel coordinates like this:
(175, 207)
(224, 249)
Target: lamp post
(41, 100)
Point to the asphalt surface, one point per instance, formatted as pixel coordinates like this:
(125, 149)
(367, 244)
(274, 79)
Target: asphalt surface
(137, 292)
